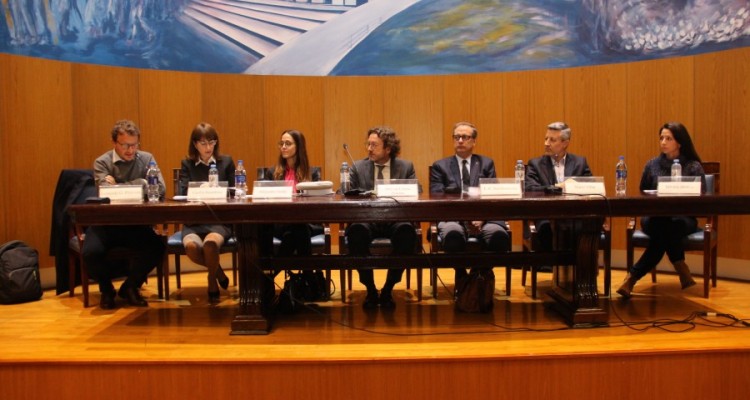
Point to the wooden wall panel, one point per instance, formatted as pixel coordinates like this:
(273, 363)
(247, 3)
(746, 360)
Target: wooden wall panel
(595, 111)
(413, 108)
(294, 103)
(101, 96)
(658, 92)
(170, 107)
(37, 144)
(722, 95)
(6, 109)
(531, 101)
(351, 106)
(233, 104)
(65, 112)
(477, 99)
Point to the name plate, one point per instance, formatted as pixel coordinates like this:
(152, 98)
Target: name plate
(122, 193)
(272, 192)
(498, 189)
(202, 193)
(402, 190)
(668, 187)
(585, 187)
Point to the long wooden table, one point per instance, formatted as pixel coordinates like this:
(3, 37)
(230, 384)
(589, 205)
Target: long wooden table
(574, 291)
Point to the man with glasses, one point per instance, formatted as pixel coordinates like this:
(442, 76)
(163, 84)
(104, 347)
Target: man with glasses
(550, 170)
(124, 164)
(455, 174)
(383, 147)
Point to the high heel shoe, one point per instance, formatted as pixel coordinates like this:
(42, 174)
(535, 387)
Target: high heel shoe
(222, 278)
(214, 297)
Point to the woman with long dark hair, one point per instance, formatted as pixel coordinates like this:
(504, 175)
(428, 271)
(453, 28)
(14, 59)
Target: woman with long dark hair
(666, 233)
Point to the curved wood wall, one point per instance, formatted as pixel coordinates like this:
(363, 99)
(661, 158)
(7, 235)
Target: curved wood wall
(56, 115)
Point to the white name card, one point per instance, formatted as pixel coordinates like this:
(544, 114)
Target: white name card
(401, 190)
(206, 193)
(272, 192)
(678, 188)
(500, 189)
(122, 193)
(573, 186)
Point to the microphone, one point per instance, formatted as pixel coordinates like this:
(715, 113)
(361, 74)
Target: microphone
(354, 191)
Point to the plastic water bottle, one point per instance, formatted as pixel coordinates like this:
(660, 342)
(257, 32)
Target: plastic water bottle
(152, 180)
(344, 177)
(676, 169)
(520, 174)
(213, 176)
(621, 177)
(240, 181)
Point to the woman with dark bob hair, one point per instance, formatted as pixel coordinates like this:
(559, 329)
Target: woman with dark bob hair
(203, 242)
(666, 233)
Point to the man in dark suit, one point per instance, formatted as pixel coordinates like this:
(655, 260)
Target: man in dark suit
(455, 174)
(124, 164)
(383, 147)
(550, 170)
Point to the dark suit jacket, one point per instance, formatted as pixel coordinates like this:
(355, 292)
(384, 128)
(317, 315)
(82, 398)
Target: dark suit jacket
(445, 174)
(73, 186)
(199, 173)
(362, 176)
(541, 173)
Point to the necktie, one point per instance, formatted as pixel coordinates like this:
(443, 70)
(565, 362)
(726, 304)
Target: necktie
(465, 176)
(380, 171)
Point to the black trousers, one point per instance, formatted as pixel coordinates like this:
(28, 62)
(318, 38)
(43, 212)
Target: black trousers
(403, 237)
(142, 241)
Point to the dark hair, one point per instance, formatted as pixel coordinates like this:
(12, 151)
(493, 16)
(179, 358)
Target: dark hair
(206, 131)
(389, 138)
(126, 127)
(681, 135)
(301, 164)
(474, 132)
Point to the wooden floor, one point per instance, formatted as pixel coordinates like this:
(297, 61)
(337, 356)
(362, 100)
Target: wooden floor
(655, 343)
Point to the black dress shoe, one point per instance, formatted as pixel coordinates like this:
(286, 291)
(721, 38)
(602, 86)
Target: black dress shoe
(371, 300)
(214, 297)
(222, 278)
(107, 301)
(132, 296)
(386, 300)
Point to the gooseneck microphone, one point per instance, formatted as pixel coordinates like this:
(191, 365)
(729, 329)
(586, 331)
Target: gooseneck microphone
(354, 191)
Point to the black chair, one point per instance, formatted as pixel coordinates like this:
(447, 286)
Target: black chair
(705, 240)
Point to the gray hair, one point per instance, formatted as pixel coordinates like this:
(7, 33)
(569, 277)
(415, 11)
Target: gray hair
(562, 127)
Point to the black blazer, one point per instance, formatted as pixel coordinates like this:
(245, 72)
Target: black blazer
(189, 172)
(541, 173)
(445, 174)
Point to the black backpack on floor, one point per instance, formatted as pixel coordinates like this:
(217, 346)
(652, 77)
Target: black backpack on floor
(19, 273)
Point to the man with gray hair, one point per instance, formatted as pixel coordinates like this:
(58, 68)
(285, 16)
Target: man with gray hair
(550, 170)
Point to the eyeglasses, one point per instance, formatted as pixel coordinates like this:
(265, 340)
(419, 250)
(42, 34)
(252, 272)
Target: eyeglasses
(128, 146)
(465, 138)
(208, 142)
(286, 143)
(374, 145)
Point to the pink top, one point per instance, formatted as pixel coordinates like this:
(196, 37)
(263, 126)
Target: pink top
(290, 176)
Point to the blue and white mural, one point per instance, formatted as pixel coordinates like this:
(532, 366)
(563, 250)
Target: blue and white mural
(375, 37)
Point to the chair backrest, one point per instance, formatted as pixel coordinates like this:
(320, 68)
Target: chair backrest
(712, 169)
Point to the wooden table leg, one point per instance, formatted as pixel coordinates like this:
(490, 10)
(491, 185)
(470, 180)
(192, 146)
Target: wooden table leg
(574, 292)
(252, 317)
